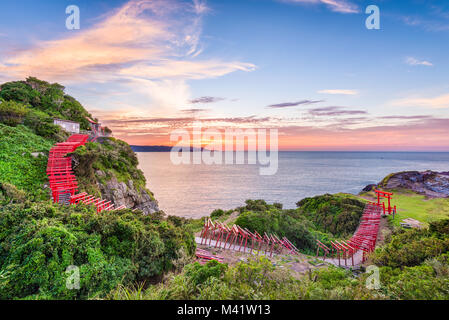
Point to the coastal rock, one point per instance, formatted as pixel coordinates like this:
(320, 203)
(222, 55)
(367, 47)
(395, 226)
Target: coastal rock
(127, 194)
(429, 183)
(369, 188)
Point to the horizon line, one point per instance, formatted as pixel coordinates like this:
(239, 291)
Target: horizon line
(324, 150)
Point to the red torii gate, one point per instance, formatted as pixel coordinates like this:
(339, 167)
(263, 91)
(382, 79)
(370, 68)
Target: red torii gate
(385, 195)
(364, 238)
(232, 237)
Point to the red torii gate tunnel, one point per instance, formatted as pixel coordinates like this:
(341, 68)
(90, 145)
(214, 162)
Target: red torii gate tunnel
(365, 237)
(385, 195)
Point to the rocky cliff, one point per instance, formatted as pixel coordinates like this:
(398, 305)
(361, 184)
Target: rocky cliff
(109, 169)
(127, 194)
(429, 183)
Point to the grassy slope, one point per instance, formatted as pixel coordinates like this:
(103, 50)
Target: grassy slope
(416, 206)
(17, 165)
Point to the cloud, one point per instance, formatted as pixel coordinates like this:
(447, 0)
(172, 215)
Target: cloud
(335, 111)
(415, 62)
(204, 100)
(406, 117)
(194, 110)
(439, 102)
(151, 47)
(341, 6)
(428, 134)
(294, 104)
(339, 91)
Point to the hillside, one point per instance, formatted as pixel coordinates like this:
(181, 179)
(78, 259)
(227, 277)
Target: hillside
(39, 240)
(108, 169)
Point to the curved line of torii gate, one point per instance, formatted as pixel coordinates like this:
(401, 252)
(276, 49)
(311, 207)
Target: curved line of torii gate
(365, 237)
(240, 238)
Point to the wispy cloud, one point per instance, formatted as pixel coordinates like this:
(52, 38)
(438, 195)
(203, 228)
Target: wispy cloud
(339, 91)
(342, 6)
(293, 104)
(439, 102)
(194, 110)
(204, 100)
(419, 117)
(151, 47)
(335, 111)
(415, 62)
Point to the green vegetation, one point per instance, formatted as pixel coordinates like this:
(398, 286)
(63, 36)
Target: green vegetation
(416, 206)
(415, 263)
(39, 241)
(101, 162)
(425, 277)
(47, 98)
(12, 113)
(262, 217)
(323, 217)
(120, 253)
(256, 279)
(27, 111)
(411, 205)
(335, 214)
(17, 164)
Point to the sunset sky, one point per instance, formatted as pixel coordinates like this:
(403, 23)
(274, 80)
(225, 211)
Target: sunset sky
(308, 68)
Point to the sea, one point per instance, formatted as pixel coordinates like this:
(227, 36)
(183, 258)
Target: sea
(195, 190)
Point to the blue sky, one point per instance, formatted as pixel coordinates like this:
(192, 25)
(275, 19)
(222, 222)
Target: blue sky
(144, 67)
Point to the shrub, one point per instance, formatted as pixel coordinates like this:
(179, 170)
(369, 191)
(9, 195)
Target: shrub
(12, 113)
(412, 247)
(39, 241)
(199, 274)
(217, 213)
(335, 214)
(17, 166)
(286, 223)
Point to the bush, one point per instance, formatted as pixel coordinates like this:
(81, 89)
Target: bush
(199, 274)
(12, 113)
(270, 219)
(17, 166)
(412, 247)
(217, 213)
(47, 98)
(335, 214)
(39, 241)
(114, 158)
(10, 193)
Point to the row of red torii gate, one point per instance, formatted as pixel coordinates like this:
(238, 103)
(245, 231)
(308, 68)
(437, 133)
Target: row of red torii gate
(356, 250)
(353, 251)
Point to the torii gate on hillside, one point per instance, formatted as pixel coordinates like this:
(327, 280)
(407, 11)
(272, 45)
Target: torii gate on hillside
(385, 195)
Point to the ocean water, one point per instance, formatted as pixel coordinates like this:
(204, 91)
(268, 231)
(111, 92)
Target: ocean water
(196, 190)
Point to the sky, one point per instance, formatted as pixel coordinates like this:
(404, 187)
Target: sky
(308, 68)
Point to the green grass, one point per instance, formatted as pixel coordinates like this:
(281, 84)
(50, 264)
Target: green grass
(411, 205)
(17, 166)
(416, 206)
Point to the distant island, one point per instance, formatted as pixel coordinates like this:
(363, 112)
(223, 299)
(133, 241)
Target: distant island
(158, 149)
